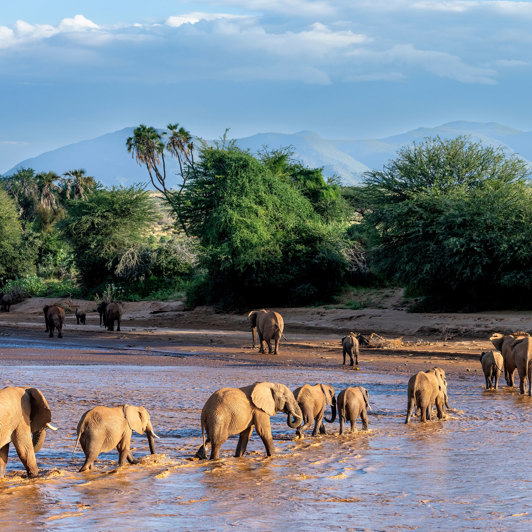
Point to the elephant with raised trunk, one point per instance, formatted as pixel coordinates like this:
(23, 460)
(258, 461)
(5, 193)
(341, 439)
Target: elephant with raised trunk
(426, 389)
(24, 417)
(269, 325)
(313, 400)
(505, 344)
(102, 429)
(54, 318)
(353, 403)
(237, 410)
(492, 365)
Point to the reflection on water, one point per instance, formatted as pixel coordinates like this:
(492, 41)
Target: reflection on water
(471, 471)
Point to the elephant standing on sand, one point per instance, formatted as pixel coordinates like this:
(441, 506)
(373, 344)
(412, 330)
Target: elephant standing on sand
(237, 410)
(352, 404)
(6, 300)
(350, 347)
(492, 365)
(101, 311)
(102, 429)
(113, 312)
(426, 389)
(54, 318)
(81, 317)
(269, 325)
(312, 400)
(24, 416)
(505, 344)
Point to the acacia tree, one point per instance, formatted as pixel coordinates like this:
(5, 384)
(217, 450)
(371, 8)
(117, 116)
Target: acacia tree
(148, 146)
(452, 219)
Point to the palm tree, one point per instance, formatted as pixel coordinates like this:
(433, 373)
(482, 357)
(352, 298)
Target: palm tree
(77, 185)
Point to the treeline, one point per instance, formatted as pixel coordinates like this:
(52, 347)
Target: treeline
(447, 219)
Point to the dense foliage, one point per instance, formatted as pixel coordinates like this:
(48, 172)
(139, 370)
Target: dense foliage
(451, 220)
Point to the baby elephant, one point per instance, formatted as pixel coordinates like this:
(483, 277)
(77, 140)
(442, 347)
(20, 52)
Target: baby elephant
(81, 317)
(492, 365)
(352, 404)
(101, 429)
(426, 389)
(54, 318)
(350, 347)
(312, 400)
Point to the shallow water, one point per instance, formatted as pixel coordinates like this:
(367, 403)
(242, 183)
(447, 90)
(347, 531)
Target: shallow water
(470, 471)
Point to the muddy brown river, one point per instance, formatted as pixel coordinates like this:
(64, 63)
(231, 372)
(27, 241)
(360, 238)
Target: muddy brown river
(469, 472)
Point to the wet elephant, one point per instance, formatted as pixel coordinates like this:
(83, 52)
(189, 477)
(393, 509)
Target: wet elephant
(102, 429)
(24, 417)
(353, 403)
(269, 326)
(522, 352)
(426, 389)
(505, 344)
(312, 401)
(237, 410)
(492, 365)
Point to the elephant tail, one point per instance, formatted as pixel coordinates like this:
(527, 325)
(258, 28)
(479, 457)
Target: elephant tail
(76, 446)
(203, 432)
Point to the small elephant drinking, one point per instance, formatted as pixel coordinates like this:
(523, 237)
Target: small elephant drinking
(352, 404)
(312, 400)
(350, 347)
(492, 365)
(102, 429)
(237, 410)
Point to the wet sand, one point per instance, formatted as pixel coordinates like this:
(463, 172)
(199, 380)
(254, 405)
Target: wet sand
(470, 471)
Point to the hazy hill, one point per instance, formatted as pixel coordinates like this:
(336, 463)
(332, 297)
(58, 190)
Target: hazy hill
(107, 159)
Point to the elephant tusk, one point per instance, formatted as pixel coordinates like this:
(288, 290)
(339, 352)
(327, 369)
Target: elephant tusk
(153, 434)
(51, 427)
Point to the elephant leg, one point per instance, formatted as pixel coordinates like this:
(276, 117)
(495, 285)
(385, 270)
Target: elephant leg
(364, 418)
(322, 428)
(4, 453)
(341, 424)
(24, 447)
(410, 407)
(344, 353)
(307, 421)
(317, 424)
(276, 347)
(265, 432)
(261, 342)
(497, 374)
(429, 413)
(131, 459)
(215, 450)
(118, 324)
(243, 442)
(423, 413)
(91, 450)
(351, 358)
(123, 448)
(269, 342)
(51, 335)
(60, 331)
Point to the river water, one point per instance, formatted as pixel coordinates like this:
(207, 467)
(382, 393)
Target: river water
(471, 471)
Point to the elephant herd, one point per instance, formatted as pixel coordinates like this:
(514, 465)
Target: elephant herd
(54, 317)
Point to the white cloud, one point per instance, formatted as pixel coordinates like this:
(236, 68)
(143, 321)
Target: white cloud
(78, 23)
(176, 21)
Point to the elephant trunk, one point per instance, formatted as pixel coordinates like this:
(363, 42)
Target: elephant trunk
(38, 439)
(333, 412)
(151, 438)
(292, 409)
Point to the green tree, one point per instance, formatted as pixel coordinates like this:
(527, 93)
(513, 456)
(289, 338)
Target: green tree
(452, 219)
(108, 231)
(15, 257)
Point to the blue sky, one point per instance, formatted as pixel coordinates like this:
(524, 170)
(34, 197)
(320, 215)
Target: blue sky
(73, 69)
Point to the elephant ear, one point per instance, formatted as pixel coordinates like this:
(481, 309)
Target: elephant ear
(134, 419)
(365, 394)
(40, 413)
(252, 317)
(262, 397)
(327, 392)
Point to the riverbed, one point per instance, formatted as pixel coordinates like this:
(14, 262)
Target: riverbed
(470, 471)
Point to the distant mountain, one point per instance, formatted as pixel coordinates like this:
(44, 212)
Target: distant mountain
(107, 159)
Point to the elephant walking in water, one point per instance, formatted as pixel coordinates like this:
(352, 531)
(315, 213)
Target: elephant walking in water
(237, 410)
(492, 365)
(24, 417)
(522, 353)
(312, 400)
(505, 344)
(269, 325)
(352, 404)
(426, 389)
(102, 429)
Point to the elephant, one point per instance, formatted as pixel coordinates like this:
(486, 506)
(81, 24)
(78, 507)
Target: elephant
(522, 352)
(6, 300)
(54, 318)
(113, 312)
(505, 344)
(350, 347)
(312, 400)
(101, 311)
(492, 365)
(24, 417)
(425, 389)
(103, 428)
(269, 325)
(81, 317)
(237, 410)
(352, 404)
